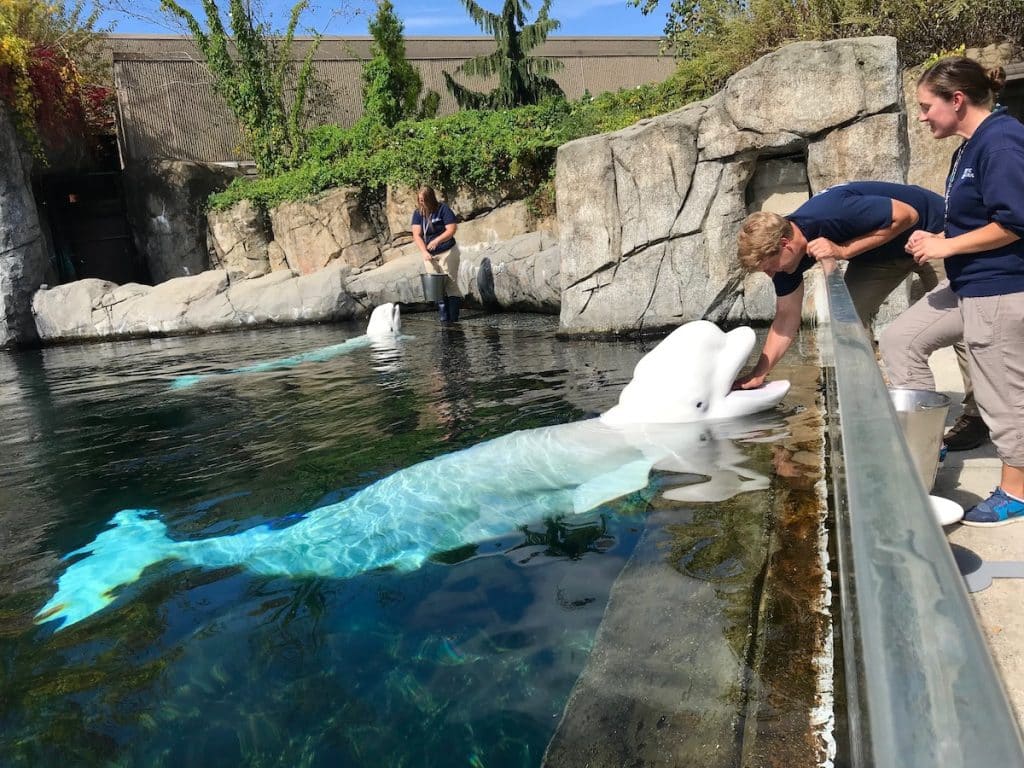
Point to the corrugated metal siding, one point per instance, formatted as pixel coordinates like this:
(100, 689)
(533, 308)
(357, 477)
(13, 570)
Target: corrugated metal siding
(170, 110)
(155, 46)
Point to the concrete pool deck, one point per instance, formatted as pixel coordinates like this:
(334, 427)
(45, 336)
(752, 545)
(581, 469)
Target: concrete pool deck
(967, 477)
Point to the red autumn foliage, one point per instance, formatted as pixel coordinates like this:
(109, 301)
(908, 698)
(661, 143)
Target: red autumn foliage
(70, 114)
(68, 110)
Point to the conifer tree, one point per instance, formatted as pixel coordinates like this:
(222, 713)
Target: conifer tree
(522, 79)
(391, 85)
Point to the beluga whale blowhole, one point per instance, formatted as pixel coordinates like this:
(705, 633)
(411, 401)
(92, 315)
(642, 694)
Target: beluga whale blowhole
(673, 416)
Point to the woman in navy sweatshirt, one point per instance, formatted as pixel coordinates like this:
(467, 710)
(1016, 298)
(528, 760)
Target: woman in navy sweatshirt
(433, 231)
(984, 257)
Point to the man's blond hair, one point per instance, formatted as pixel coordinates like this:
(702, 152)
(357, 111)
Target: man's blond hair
(761, 238)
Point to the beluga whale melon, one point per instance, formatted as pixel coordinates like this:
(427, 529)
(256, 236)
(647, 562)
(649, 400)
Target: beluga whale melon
(673, 416)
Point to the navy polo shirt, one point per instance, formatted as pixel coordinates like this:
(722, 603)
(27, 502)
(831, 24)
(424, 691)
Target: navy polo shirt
(846, 211)
(438, 220)
(986, 184)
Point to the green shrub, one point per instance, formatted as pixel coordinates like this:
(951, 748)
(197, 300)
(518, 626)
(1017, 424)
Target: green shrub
(511, 152)
(391, 85)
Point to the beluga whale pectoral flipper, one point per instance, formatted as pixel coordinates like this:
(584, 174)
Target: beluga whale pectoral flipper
(384, 327)
(669, 417)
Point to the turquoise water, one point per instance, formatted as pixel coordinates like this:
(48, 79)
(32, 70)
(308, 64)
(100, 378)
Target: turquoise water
(465, 661)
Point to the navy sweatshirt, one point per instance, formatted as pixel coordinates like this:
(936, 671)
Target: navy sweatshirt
(856, 208)
(986, 184)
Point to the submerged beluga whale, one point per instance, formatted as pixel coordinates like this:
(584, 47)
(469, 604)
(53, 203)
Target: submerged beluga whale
(383, 328)
(669, 418)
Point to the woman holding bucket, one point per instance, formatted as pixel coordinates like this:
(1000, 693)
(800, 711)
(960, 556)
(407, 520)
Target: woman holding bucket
(433, 231)
(983, 300)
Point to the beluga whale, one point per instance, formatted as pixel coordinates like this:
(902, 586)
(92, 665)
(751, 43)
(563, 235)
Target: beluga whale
(676, 415)
(688, 377)
(383, 328)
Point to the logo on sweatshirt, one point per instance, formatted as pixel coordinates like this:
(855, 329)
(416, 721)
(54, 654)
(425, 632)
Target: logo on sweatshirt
(968, 174)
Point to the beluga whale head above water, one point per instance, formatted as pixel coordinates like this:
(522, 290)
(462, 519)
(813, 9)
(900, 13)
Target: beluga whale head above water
(385, 321)
(672, 417)
(688, 377)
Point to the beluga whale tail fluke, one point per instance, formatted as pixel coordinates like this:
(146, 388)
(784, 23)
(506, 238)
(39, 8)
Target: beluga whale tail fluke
(673, 417)
(688, 377)
(117, 556)
(384, 326)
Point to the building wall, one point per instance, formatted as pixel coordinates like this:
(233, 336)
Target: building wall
(168, 108)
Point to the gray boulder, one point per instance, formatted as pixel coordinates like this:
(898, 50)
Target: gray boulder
(519, 274)
(239, 238)
(809, 87)
(332, 226)
(839, 156)
(96, 309)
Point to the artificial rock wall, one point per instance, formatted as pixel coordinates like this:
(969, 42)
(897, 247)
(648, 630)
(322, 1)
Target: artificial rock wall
(22, 251)
(648, 216)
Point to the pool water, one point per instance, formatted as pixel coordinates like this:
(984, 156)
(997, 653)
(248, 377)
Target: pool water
(467, 660)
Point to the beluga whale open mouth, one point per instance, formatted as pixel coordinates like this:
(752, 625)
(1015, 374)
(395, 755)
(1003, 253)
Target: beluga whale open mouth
(673, 417)
(688, 377)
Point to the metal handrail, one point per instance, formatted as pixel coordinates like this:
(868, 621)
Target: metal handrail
(922, 688)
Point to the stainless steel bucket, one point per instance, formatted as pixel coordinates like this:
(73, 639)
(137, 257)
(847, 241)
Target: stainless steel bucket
(922, 417)
(433, 286)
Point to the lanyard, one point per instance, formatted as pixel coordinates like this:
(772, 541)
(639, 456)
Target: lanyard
(428, 220)
(950, 180)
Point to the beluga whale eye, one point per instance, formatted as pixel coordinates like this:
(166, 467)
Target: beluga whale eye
(700, 405)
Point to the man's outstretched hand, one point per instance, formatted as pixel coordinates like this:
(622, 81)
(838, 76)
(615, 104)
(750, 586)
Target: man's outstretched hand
(750, 381)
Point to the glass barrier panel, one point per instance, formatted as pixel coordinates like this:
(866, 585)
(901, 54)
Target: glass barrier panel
(922, 688)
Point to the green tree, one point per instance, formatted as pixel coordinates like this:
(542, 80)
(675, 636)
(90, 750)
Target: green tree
(255, 73)
(522, 79)
(730, 34)
(391, 85)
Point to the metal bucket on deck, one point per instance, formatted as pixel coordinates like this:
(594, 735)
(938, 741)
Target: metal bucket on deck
(922, 417)
(433, 286)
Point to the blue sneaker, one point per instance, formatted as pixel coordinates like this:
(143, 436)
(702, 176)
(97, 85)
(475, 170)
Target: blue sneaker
(997, 509)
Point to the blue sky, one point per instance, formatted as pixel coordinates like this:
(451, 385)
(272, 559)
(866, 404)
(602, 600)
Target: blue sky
(430, 18)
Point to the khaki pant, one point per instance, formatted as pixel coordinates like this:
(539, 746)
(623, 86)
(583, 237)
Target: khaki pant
(871, 282)
(447, 263)
(992, 328)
